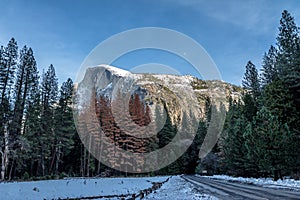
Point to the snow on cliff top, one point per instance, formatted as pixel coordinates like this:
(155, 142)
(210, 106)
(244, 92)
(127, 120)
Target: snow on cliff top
(166, 77)
(115, 70)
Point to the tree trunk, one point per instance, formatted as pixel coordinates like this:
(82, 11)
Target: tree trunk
(11, 168)
(88, 165)
(276, 176)
(88, 158)
(99, 167)
(5, 153)
(43, 165)
(58, 159)
(84, 162)
(53, 159)
(81, 160)
(2, 166)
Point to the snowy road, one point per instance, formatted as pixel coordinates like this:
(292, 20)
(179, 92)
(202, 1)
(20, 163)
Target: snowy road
(228, 190)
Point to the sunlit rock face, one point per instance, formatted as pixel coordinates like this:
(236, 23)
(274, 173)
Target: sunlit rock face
(171, 91)
(119, 115)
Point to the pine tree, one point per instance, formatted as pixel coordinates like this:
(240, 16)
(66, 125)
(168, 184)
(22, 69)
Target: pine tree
(33, 129)
(2, 70)
(191, 156)
(271, 144)
(165, 136)
(288, 43)
(25, 79)
(10, 55)
(279, 101)
(288, 64)
(64, 127)
(8, 61)
(234, 142)
(49, 89)
(251, 80)
(269, 72)
(249, 107)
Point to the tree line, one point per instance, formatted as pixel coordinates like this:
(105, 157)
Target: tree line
(37, 132)
(261, 133)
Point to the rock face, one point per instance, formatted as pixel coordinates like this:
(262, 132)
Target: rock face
(177, 94)
(129, 121)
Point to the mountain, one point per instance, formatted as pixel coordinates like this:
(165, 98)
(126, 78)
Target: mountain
(176, 93)
(123, 118)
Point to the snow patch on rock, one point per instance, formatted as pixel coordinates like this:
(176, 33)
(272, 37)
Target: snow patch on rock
(115, 70)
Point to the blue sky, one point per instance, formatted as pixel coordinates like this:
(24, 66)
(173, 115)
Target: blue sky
(64, 32)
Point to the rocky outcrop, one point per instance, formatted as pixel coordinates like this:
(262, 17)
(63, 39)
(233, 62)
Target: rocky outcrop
(119, 116)
(178, 94)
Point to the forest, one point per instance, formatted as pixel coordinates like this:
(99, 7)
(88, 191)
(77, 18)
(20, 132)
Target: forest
(262, 130)
(261, 135)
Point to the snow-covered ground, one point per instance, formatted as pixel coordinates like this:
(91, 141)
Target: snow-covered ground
(109, 188)
(177, 188)
(265, 182)
(75, 188)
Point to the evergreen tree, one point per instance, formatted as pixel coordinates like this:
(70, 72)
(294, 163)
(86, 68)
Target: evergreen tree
(49, 89)
(26, 78)
(191, 156)
(8, 61)
(2, 70)
(234, 143)
(64, 128)
(280, 102)
(271, 144)
(269, 72)
(249, 107)
(33, 129)
(288, 64)
(165, 136)
(288, 43)
(251, 80)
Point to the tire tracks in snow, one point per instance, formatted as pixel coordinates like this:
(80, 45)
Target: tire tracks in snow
(228, 190)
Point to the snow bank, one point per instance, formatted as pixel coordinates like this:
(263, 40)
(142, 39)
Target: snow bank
(75, 188)
(265, 182)
(177, 188)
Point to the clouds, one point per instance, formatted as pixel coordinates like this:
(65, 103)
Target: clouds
(254, 15)
(246, 29)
